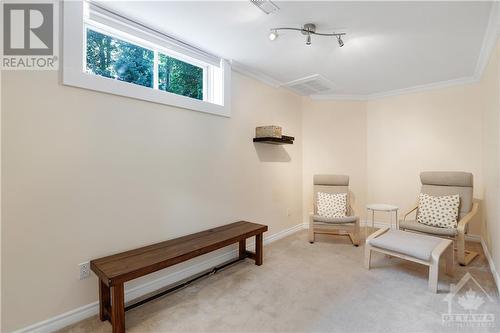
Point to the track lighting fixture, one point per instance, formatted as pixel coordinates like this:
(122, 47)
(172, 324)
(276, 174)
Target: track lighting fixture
(308, 30)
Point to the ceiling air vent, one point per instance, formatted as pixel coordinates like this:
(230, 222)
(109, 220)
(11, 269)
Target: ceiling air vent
(310, 85)
(267, 6)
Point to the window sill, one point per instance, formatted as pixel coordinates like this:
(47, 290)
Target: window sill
(111, 86)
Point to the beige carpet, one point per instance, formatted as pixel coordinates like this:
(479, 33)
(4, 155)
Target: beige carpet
(312, 288)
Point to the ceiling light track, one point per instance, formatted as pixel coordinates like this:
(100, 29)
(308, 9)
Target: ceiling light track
(308, 30)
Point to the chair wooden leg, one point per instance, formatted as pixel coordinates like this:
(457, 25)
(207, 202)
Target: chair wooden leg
(118, 308)
(464, 256)
(461, 249)
(354, 238)
(355, 241)
(311, 231)
(469, 256)
(104, 301)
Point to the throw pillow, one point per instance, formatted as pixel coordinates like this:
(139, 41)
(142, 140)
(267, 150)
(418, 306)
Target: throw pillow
(439, 212)
(332, 205)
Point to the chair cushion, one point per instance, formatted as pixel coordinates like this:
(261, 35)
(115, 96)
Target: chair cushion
(339, 220)
(439, 211)
(332, 205)
(414, 245)
(415, 226)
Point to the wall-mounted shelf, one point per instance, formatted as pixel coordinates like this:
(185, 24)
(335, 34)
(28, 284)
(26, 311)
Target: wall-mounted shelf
(285, 140)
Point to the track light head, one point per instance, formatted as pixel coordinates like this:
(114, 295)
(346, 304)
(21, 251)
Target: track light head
(308, 39)
(273, 35)
(339, 40)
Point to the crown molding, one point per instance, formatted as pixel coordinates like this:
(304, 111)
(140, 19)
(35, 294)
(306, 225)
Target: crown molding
(255, 74)
(397, 92)
(489, 41)
(423, 88)
(338, 97)
(487, 47)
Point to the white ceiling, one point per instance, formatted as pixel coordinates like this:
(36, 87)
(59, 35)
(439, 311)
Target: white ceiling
(389, 45)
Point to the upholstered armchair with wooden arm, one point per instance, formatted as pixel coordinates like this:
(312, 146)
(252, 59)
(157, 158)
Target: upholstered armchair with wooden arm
(441, 183)
(347, 225)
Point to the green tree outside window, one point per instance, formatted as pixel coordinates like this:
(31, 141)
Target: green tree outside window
(179, 77)
(120, 60)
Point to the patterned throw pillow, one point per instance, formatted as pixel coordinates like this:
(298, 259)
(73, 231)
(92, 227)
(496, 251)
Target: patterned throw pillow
(332, 205)
(439, 212)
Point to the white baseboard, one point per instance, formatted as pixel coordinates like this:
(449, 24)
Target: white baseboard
(89, 310)
(493, 269)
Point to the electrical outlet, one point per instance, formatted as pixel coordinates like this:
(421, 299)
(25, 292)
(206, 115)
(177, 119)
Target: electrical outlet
(84, 270)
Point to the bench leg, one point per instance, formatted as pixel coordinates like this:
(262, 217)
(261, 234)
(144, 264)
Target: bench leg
(433, 276)
(118, 308)
(104, 301)
(258, 249)
(243, 248)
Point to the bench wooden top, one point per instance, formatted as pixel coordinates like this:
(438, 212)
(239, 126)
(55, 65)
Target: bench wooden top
(132, 264)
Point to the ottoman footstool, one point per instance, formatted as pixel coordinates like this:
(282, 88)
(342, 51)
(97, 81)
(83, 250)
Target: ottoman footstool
(422, 249)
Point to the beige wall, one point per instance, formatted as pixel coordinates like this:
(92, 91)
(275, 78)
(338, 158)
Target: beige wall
(79, 165)
(87, 174)
(435, 130)
(384, 144)
(490, 89)
(334, 142)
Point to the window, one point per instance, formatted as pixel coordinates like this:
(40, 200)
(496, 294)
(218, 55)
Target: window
(106, 52)
(179, 77)
(114, 58)
(117, 59)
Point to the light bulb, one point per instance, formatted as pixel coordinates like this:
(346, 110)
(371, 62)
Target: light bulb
(308, 39)
(273, 35)
(339, 39)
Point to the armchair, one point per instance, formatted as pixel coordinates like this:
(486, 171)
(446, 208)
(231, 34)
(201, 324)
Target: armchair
(347, 225)
(439, 183)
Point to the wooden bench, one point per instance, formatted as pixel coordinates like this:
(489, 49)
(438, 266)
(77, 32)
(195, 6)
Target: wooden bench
(113, 271)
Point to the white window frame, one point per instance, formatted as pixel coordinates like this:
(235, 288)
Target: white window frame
(216, 93)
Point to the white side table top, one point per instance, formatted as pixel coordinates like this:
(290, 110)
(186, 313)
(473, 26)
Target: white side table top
(382, 207)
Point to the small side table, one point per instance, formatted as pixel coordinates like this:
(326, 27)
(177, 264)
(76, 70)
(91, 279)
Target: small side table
(383, 208)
